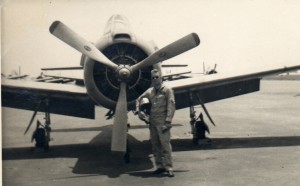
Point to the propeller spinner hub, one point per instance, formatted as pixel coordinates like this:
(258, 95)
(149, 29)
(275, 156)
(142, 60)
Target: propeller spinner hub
(123, 73)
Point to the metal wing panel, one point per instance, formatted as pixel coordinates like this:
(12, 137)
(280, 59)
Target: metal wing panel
(215, 93)
(216, 87)
(63, 99)
(61, 75)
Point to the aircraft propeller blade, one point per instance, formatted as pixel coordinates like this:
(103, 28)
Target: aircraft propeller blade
(68, 36)
(178, 47)
(119, 133)
(205, 110)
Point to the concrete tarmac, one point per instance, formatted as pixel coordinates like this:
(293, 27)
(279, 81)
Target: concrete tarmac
(256, 142)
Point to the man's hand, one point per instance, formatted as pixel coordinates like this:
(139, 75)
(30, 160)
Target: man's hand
(143, 117)
(166, 127)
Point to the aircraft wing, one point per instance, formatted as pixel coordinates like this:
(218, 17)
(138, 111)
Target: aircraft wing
(60, 79)
(64, 68)
(64, 99)
(17, 77)
(62, 75)
(217, 86)
(174, 76)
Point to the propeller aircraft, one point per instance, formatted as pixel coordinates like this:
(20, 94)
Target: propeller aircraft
(116, 72)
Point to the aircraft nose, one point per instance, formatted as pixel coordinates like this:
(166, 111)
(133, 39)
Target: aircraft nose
(124, 74)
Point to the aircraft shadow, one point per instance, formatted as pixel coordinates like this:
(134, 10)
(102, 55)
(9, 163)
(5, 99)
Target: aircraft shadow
(102, 162)
(95, 157)
(87, 129)
(233, 143)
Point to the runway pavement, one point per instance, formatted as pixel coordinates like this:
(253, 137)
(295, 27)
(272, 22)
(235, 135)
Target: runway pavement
(256, 142)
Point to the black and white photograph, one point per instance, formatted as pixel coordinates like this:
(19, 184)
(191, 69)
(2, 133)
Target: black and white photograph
(137, 92)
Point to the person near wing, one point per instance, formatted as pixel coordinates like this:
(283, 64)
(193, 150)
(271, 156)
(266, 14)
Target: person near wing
(162, 111)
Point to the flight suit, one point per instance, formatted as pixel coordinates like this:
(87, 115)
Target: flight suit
(162, 111)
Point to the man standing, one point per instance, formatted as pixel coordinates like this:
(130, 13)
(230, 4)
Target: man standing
(162, 111)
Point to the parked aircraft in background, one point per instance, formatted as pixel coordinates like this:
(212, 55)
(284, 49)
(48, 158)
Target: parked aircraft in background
(14, 75)
(116, 71)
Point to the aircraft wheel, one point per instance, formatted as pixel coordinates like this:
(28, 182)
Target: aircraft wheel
(41, 139)
(127, 157)
(127, 154)
(195, 141)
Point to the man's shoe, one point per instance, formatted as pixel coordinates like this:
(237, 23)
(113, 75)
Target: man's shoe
(170, 173)
(159, 171)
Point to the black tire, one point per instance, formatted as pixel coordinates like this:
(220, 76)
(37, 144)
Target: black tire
(40, 138)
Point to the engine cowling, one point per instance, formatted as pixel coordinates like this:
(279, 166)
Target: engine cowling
(102, 82)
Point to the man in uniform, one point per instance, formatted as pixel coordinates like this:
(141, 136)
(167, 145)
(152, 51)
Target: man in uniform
(162, 111)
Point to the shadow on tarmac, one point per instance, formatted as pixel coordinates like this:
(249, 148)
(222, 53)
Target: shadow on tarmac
(95, 157)
(234, 143)
(88, 129)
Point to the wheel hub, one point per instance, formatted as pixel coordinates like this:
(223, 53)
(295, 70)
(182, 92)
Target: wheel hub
(123, 73)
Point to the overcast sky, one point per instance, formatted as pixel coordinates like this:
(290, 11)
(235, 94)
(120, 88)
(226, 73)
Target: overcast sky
(238, 35)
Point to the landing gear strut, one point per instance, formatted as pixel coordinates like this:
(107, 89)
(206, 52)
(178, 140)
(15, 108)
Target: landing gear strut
(192, 123)
(41, 134)
(198, 126)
